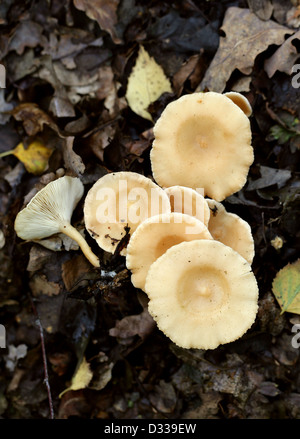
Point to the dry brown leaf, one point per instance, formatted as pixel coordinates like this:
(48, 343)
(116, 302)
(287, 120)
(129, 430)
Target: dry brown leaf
(72, 160)
(40, 285)
(284, 58)
(140, 324)
(74, 270)
(102, 11)
(184, 73)
(240, 46)
(33, 118)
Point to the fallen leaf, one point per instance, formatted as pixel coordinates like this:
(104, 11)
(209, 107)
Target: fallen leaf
(146, 83)
(27, 34)
(262, 8)
(284, 58)
(102, 11)
(81, 378)
(39, 285)
(240, 46)
(102, 374)
(286, 288)
(185, 34)
(270, 176)
(140, 324)
(35, 157)
(184, 73)
(72, 160)
(33, 118)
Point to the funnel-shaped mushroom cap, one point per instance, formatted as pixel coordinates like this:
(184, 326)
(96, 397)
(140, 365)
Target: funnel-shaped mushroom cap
(189, 201)
(119, 201)
(231, 230)
(49, 209)
(202, 294)
(154, 236)
(50, 212)
(241, 101)
(202, 140)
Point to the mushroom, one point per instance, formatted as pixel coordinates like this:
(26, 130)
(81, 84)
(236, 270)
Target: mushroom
(202, 294)
(117, 203)
(202, 140)
(154, 236)
(241, 101)
(50, 212)
(231, 230)
(187, 200)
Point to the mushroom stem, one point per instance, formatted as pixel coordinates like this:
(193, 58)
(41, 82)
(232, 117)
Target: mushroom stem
(73, 233)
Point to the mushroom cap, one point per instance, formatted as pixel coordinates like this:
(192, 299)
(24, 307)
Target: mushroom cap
(241, 101)
(48, 211)
(187, 200)
(231, 230)
(154, 236)
(202, 140)
(202, 294)
(118, 201)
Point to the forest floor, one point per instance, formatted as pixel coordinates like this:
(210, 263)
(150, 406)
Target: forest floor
(67, 68)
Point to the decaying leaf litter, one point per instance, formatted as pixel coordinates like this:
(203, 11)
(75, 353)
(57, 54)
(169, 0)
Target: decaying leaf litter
(68, 80)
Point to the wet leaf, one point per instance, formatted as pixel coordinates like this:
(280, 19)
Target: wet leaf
(286, 288)
(81, 378)
(146, 83)
(240, 46)
(35, 157)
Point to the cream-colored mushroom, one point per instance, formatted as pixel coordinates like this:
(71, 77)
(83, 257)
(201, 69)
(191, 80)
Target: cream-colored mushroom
(50, 212)
(117, 203)
(189, 201)
(241, 101)
(231, 230)
(202, 294)
(154, 236)
(202, 140)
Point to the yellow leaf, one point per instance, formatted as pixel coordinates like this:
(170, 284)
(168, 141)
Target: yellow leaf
(146, 83)
(286, 288)
(35, 157)
(81, 378)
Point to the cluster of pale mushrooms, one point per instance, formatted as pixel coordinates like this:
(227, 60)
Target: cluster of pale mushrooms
(186, 252)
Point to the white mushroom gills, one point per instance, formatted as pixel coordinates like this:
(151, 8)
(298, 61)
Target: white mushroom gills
(50, 211)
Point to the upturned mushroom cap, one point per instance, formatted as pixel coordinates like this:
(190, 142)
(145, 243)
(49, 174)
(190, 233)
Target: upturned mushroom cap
(50, 212)
(231, 230)
(241, 101)
(202, 294)
(187, 200)
(154, 236)
(117, 203)
(202, 140)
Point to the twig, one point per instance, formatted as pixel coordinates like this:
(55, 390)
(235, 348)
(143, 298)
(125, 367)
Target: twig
(46, 379)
